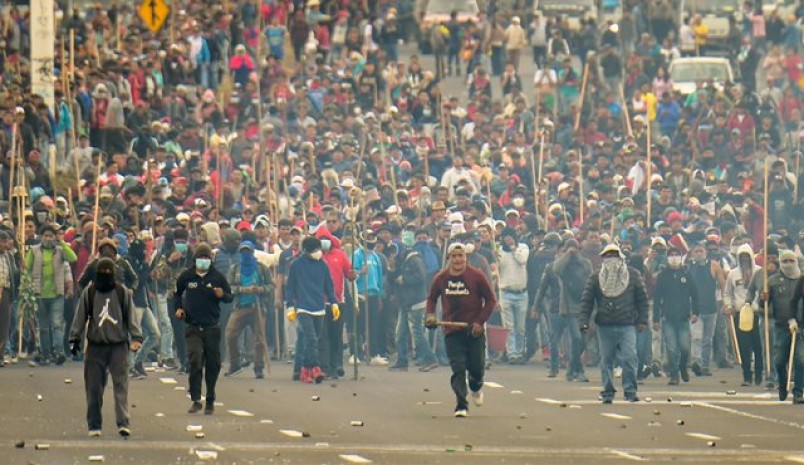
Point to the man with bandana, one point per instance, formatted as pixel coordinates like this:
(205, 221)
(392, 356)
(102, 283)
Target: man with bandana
(106, 309)
(755, 293)
(783, 296)
(618, 293)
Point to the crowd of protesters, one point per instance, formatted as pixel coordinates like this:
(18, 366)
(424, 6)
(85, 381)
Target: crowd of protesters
(248, 126)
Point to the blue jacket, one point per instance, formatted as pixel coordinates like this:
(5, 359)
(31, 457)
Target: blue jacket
(371, 282)
(668, 114)
(309, 285)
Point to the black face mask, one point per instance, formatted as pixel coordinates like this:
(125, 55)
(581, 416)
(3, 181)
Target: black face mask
(104, 282)
(370, 246)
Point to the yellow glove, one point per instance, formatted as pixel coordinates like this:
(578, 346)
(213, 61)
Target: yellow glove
(291, 314)
(336, 312)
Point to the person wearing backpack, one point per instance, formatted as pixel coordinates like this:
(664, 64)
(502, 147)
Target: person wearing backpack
(105, 309)
(562, 284)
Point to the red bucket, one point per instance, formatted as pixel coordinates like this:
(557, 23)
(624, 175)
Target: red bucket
(497, 336)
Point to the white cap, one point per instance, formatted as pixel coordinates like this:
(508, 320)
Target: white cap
(455, 217)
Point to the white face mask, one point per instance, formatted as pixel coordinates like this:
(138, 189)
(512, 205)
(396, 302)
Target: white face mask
(317, 255)
(518, 202)
(674, 261)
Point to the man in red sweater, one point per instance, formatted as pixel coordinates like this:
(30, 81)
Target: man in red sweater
(466, 297)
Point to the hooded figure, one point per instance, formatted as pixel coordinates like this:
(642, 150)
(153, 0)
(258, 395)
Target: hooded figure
(748, 336)
(213, 233)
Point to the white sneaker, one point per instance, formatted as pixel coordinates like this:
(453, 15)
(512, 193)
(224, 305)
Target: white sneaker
(477, 398)
(618, 372)
(94, 433)
(380, 361)
(352, 360)
(462, 413)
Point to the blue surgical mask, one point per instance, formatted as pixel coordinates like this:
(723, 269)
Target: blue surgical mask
(203, 264)
(408, 238)
(326, 244)
(181, 247)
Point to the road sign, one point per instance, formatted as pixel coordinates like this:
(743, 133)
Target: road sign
(154, 13)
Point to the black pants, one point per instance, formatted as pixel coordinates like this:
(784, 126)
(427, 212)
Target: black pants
(377, 324)
(467, 355)
(102, 360)
(204, 351)
(750, 346)
(330, 343)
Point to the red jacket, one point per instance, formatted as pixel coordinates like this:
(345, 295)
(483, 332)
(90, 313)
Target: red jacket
(340, 267)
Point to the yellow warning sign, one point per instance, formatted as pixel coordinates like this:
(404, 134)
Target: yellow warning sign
(154, 13)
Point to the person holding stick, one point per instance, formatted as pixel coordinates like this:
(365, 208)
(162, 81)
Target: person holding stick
(468, 298)
(795, 347)
(749, 342)
(756, 291)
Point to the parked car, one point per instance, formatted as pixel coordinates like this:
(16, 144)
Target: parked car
(573, 10)
(687, 72)
(715, 15)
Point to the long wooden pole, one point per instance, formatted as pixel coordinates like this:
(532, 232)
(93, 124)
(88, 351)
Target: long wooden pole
(581, 202)
(734, 341)
(626, 116)
(797, 164)
(96, 209)
(583, 92)
(765, 268)
(790, 360)
(649, 156)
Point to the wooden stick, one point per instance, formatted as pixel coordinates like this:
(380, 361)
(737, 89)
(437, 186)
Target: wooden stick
(735, 342)
(765, 269)
(790, 358)
(538, 179)
(625, 112)
(797, 165)
(453, 324)
(583, 91)
(390, 166)
(96, 210)
(649, 219)
(581, 202)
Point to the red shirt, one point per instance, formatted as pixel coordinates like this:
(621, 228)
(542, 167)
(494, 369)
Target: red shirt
(467, 297)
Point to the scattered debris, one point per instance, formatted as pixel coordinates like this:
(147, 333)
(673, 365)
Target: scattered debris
(680, 422)
(467, 448)
(623, 426)
(426, 390)
(39, 397)
(267, 422)
(615, 416)
(19, 444)
(747, 446)
(669, 399)
(430, 403)
(42, 446)
(523, 415)
(515, 392)
(206, 455)
(292, 433)
(251, 390)
(711, 443)
(654, 423)
(723, 381)
(241, 413)
(731, 393)
(356, 423)
(96, 458)
(548, 428)
(575, 406)
(563, 405)
(657, 413)
(648, 399)
(200, 435)
(68, 381)
(322, 444)
(354, 458)
(160, 415)
(315, 398)
(195, 428)
(179, 388)
(168, 380)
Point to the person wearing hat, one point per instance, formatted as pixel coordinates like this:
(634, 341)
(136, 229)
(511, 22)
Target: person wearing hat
(675, 307)
(513, 281)
(618, 293)
(563, 283)
(106, 311)
(48, 265)
(368, 265)
(308, 290)
(124, 273)
(251, 282)
(466, 297)
(200, 290)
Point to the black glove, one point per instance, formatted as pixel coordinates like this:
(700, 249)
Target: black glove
(584, 329)
(75, 347)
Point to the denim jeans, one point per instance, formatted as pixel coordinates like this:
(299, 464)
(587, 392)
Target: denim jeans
(150, 332)
(618, 340)
(411, 322)
(51, 326)
(703, 334)
(165, 328)
(309, 329)
(678, 341)
(559, 324)
(514, 313)
(644, 347)
(781, 355)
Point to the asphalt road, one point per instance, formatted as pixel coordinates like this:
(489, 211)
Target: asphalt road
(407, 419)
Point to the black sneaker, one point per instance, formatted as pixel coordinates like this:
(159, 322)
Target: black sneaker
(552, 374)
(782, 394)
(209, 408)
(169, 364)
(398, 367)
(196, 407)
(60, 359)
(706, 372)
(798, 399)
(656, 369)
(685, 375)
(139, 371)
(696, 368)
(632, 398)
(608, 400)
(233, 370)
(340, 372)
(259, 374)
(673, 382)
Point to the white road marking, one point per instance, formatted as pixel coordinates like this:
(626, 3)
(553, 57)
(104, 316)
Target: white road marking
(216, 447)
(615, 416)
(628, 456)
(206, 454)
(492, 384)
(705, 437)
(354, 458)
(241, 413)
(795, 458)
(291, 433)
(753, 415)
